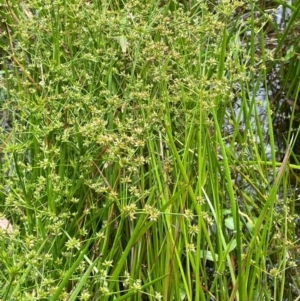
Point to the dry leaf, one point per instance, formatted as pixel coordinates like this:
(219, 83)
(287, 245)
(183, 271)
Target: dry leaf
(5, 225)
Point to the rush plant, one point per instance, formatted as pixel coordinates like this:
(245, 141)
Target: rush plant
(138, 157)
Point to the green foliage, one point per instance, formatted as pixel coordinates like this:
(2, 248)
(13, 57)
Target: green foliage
(127, 171)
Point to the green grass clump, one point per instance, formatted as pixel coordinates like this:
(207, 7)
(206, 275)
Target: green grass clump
(136, 164)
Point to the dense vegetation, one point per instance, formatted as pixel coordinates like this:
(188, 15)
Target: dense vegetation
(141, 156)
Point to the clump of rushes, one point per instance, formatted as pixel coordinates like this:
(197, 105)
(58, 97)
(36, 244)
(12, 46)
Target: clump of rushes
(119, 175)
